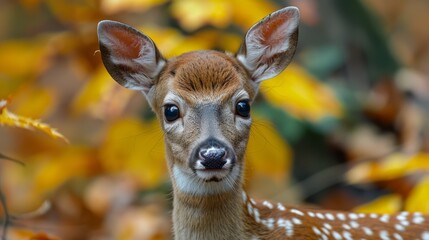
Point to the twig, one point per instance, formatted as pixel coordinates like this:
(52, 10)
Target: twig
(6, 215)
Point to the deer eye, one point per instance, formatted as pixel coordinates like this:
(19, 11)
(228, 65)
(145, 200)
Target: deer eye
(171, 112)
(243, 108)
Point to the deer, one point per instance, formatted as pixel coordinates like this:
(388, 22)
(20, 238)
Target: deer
(203, 100)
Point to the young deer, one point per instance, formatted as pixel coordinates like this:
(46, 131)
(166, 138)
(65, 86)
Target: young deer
(203, 100)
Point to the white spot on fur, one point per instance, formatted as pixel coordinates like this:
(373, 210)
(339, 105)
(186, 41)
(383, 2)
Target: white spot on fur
(347, 235)
(353, 216)
(249, 208)
(401, 217)
(404, 223)
(316, 230)
(268, 204)
(311, 214)
(418, 219)
(425, 235)
(341, 216)
(373, 215)
(384, 235)
(269, 223)
(257, 215)
(399, 227)
(320, 215)
(330, 216)
(336, 235)
(325, 230)
(296, 221)
(287, 225)
(345, 226)
(398, 236)
(244, 196)
(327, 226)
(384, 218)
(354, 224)
(367, 231)
(296, 211)
(280, 207)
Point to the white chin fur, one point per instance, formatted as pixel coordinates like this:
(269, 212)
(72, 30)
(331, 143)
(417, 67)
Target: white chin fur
(198, 184)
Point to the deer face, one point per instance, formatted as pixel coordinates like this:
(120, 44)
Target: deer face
(202, 98)
(203, 103)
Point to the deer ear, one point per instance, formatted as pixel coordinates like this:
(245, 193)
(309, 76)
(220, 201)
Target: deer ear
(130, 57)
(270, 44)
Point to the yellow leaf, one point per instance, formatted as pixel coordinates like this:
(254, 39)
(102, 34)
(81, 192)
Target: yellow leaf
(74, 11)
(10, 119)
(33, 102)
(23, 58)
(267, 153)
(115, 6)
(394, 166)
(136, 148)
(27, 187)
(171, 43)
(101, 96)
(418, 198)
(388, 204)
(193, 14)
(300, 94)
(247, 13)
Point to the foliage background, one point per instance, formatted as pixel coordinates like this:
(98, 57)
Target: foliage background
(344, 127)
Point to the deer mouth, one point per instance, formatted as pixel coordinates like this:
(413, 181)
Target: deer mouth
(211, 174)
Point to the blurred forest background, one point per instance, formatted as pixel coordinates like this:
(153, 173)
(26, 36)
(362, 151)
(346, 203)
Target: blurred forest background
(345, 126)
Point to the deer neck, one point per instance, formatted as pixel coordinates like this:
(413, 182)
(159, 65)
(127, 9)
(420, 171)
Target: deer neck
(218, 216)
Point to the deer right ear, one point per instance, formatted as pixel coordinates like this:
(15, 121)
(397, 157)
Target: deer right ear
(130, 57)
(270, 44)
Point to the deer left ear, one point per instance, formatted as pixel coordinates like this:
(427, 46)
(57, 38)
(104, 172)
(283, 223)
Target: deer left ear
(270, 44)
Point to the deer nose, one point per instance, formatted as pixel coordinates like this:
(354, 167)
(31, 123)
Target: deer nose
(212, 155)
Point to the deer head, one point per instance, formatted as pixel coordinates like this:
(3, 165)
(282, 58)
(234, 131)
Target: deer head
(202, 98)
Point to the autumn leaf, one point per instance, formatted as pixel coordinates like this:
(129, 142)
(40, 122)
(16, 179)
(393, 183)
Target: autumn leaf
(302, 95)
(136, 148)
(394, 166)
(23, 234)
(388, 204)
(267, 153)
(9, 119)
(258, 9)
(115, 6)
(193, 14)
(101, 96)
(417, 201)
